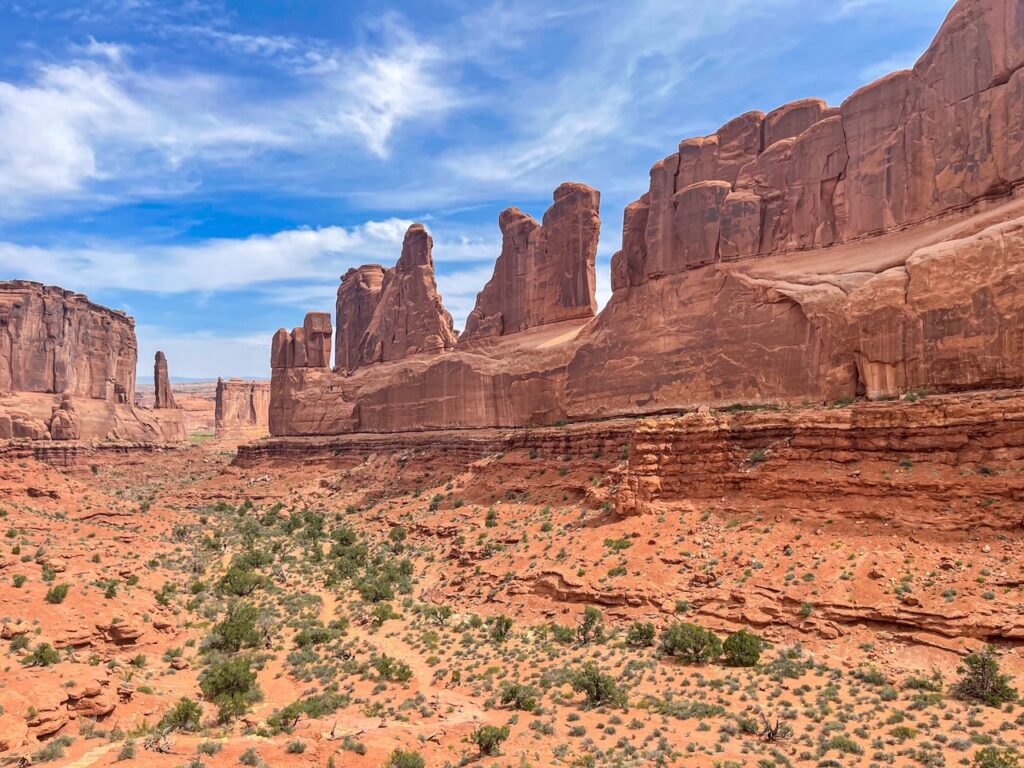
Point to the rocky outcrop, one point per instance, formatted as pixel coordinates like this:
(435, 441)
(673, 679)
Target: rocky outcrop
(242, 408)
(358, 297)
(67, 370)
(305, 347)
(164, 396)
(910, 147)
(57, 341)
(65, 423)
(545, 273)
(410, 318)
(811, 254)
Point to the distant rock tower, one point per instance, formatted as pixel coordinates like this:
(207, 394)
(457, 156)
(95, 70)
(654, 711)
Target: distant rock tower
(162, 383)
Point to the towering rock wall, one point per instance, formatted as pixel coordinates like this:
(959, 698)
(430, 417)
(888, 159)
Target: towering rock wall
(57, 341)
(545, 273)
(242, 408)
(358, 297)
(67, 370)
(912, 146)
(163, 394)
(809, 254)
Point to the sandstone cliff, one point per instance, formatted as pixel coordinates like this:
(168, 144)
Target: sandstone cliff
(544, 274)
(52, 340)
(67, 370)
(813, 253)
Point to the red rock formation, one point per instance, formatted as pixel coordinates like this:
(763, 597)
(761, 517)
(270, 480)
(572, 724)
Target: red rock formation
(305, 347)
(358, 297)
(52, 340)
(410, 318)
(545, 274)
(55, 344)
(810, 254)
(162, 383)
(65, 424)
(242, 408)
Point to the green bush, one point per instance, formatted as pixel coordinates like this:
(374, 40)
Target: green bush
(400, 759)
(488, 738)
(241, 582)
(981, 680)
(598, 687)
(43, 655)
(57, 593)
(591, 625)
(690, 643)
(742, 649)
(500, 628)
(231, 685)
(185, 716)
(238, 629)
(641, 635)
(991, 757)
(519, 696)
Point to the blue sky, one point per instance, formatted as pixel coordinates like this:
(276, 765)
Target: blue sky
(213, 167)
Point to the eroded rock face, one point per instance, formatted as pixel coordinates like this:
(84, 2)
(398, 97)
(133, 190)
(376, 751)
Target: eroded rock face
(912, 146)
(56, 346)
(308, 346)
(358, 297)
(545, 273)
(410, 318)
(52, 340)
(242, 407)
(810, 254)
(65, 424)
(164, 395)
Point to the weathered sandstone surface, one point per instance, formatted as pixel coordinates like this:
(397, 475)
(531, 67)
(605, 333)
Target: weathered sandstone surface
(545, 273)
(358, 297)
(67, 370)
(163, 394)
(242, 408)
(813, 253)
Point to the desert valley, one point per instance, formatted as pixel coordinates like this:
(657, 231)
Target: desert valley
(764, 508)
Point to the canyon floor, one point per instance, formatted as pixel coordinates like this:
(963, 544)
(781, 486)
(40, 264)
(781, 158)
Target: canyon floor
(378, 607)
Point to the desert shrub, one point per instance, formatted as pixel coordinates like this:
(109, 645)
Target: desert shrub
(641, 635)
(392, 669)
(241, 582)
(231, 685)
(250, 757)
(742, 649)
(237, 630)
(317, 635)
(500, 628)
(519, 696)
(591, 625)
(43, 655)
(992, 757)
(488, 738)
(400, 759)
(57, 593)
(598, 687)
(185, 716)
(690, 643)
(981, 680)
(313, 707)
